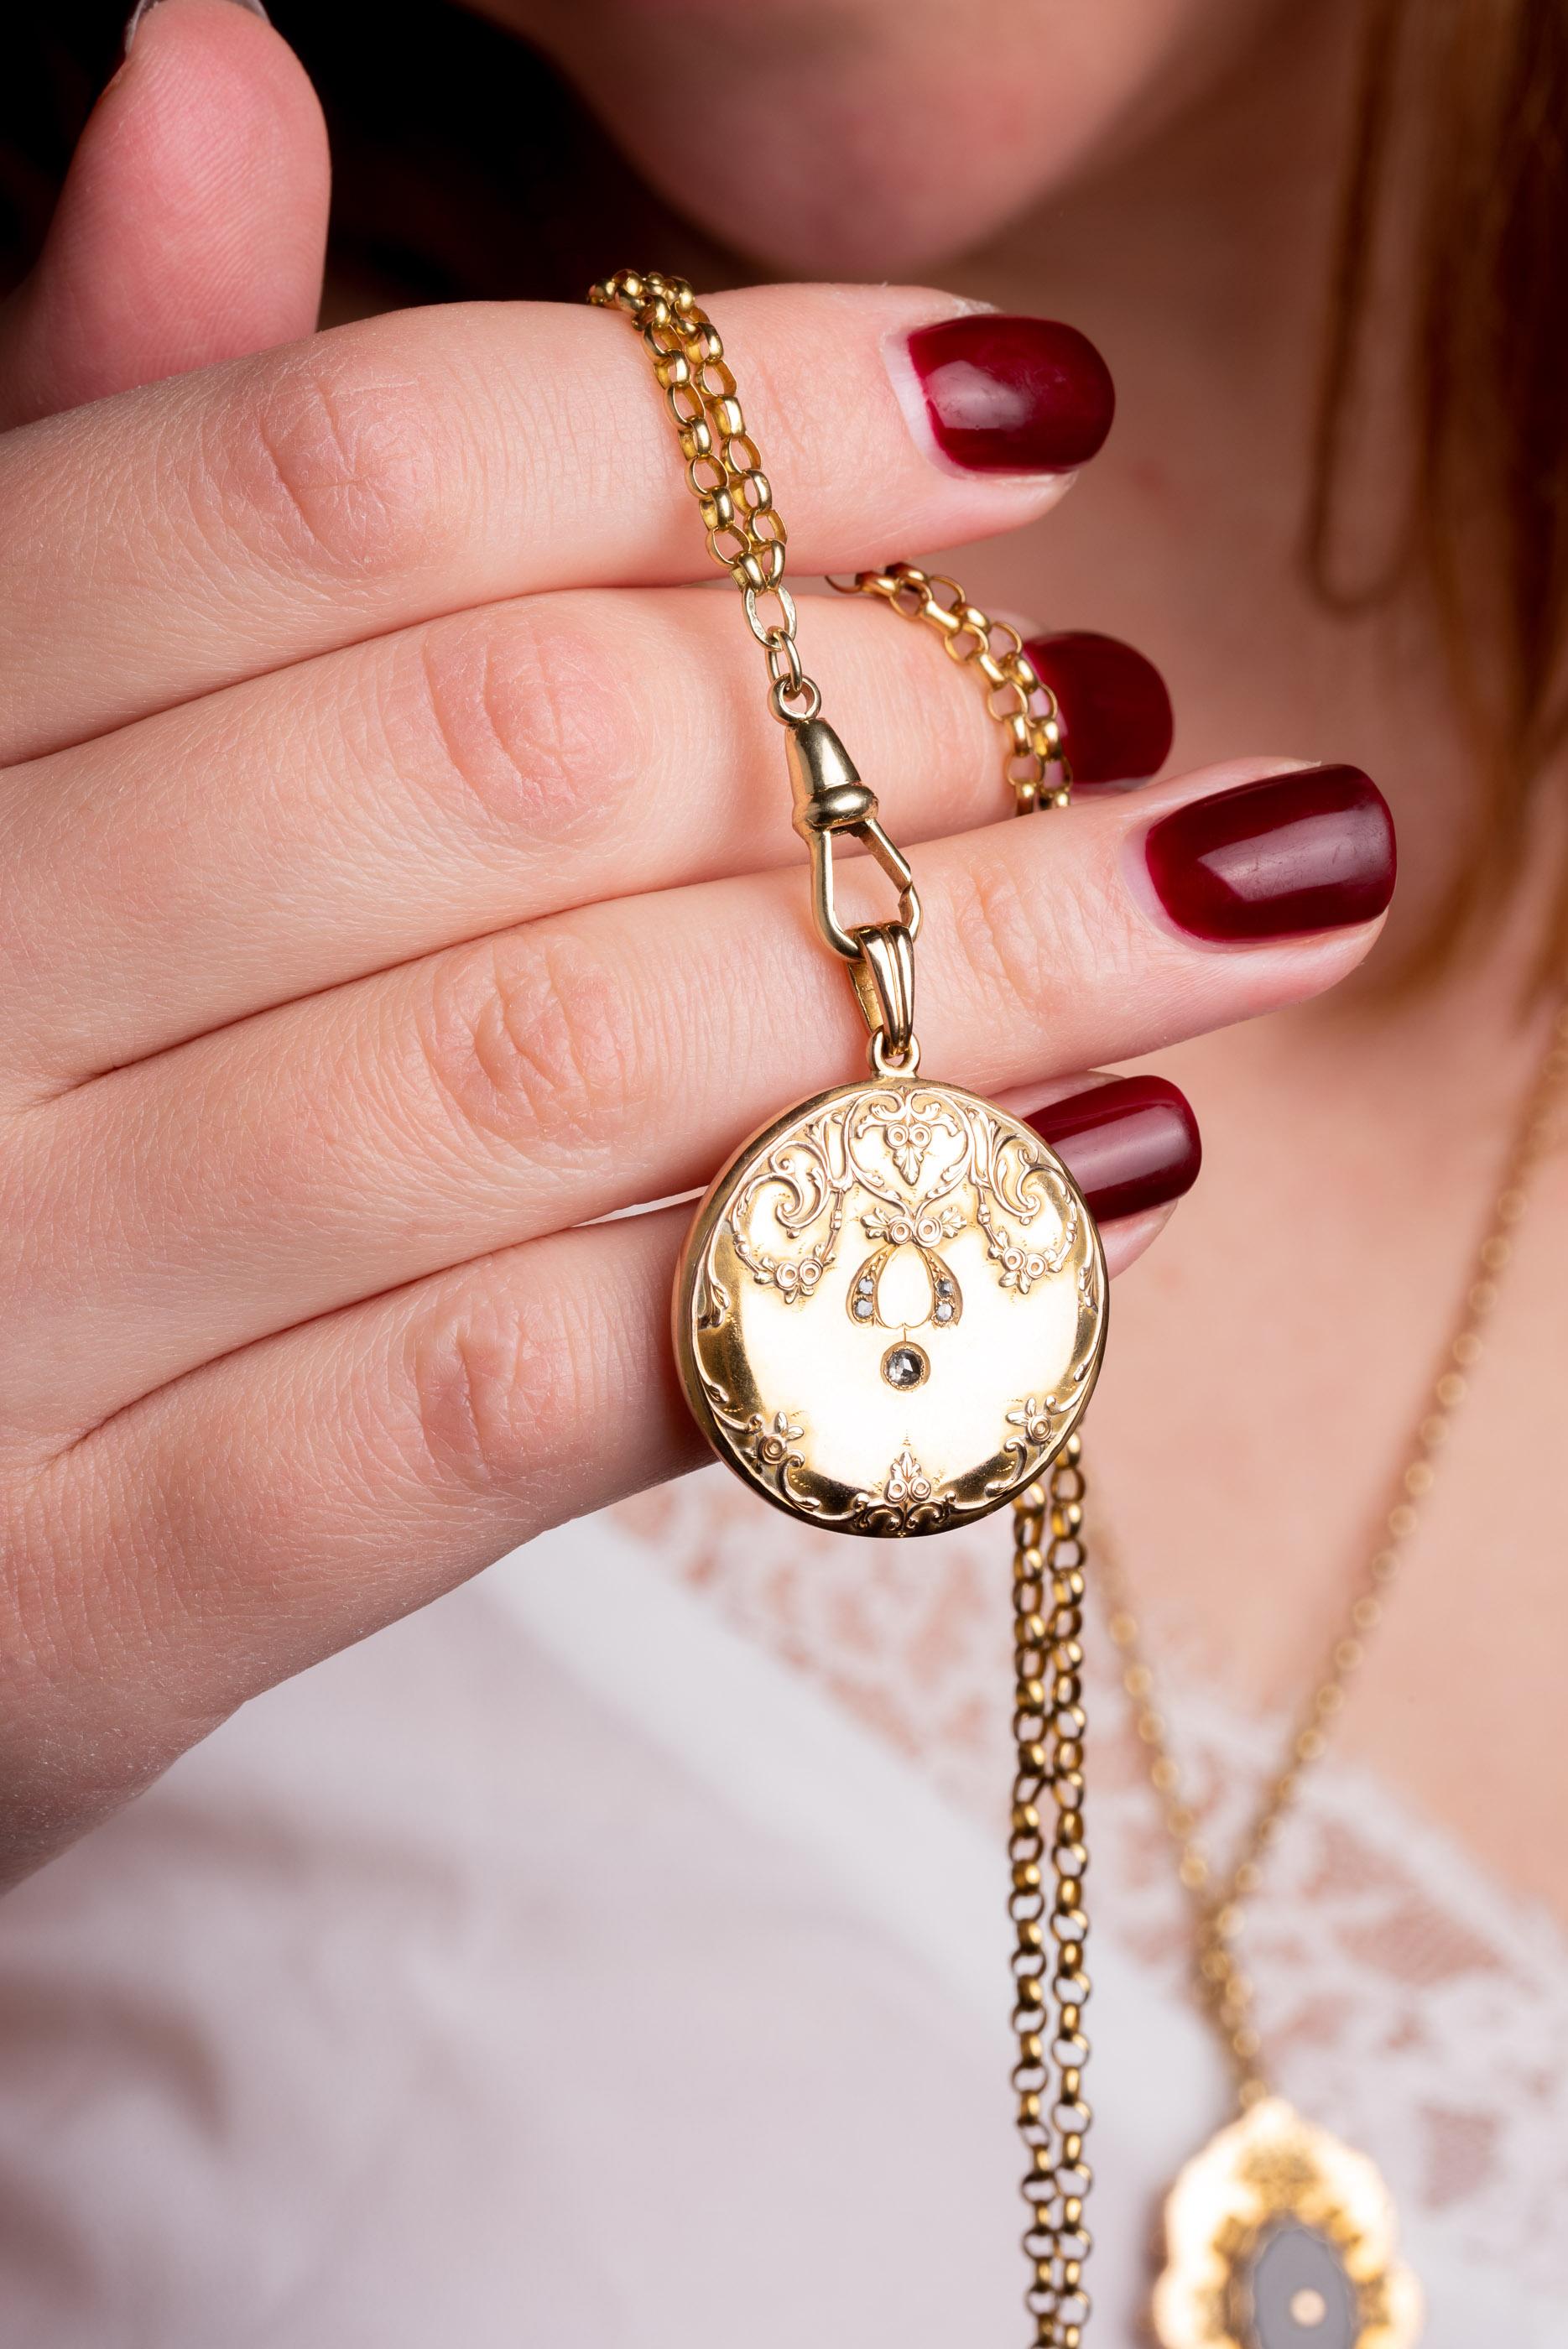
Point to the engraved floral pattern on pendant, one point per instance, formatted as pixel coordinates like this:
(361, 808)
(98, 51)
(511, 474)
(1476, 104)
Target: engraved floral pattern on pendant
(907, 1211)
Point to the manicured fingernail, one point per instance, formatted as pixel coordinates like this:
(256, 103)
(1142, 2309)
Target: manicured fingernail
(1278, 859)
(1131, 1144)
(1115, 712)
(144, 8)
(1013, 395)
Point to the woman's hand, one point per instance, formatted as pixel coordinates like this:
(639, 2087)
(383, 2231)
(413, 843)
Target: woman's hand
(399, 877)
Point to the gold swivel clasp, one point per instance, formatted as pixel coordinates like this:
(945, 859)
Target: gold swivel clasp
(830, 799)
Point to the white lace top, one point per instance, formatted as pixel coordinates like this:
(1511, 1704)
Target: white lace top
(615, 1955)
(1406, 2001)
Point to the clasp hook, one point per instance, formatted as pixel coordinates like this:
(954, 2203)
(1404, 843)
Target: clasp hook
(829, 799)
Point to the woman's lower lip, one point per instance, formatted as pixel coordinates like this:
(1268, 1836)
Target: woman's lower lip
(1129, 1145)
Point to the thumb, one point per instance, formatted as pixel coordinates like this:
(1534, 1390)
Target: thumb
(192, 221)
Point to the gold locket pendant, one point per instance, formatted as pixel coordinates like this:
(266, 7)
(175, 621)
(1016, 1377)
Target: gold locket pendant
(1279, 2236)
(891, 1309)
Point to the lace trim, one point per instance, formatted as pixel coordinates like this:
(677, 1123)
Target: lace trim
(1406, 2000)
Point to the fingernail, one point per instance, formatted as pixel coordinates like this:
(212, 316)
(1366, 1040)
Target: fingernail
(1115, 712)
(144, 8)
(1131, 1144)
(1278, 859)
(1013, 395)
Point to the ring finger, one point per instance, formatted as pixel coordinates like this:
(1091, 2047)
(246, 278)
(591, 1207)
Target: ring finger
(305, 829)
(524, 1083)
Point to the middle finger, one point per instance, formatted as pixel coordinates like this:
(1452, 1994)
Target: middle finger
(376, 804)
(593, 1060)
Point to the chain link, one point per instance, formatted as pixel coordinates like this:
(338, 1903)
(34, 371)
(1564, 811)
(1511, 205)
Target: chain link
(1049, 1856)
(1048, 1560)
(1049, 1651)
(746, 534)
(1033, 763)
(1048, 1590)
(1218, 1902)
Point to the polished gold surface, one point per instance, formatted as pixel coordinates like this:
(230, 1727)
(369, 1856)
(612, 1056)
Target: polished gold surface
(1273, 2182)
(1048, 1857)
(892, 1309)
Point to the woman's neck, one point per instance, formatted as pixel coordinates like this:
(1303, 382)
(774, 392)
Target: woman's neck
(1199, 258)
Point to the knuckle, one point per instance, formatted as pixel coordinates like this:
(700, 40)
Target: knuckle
(514, 715)
(530, 1042)
(997, 921)
(41, 1640)
(494, 1391)
(1034, 938)
(67, 1628)
(949, 720)
(338, 469)
(789, 431)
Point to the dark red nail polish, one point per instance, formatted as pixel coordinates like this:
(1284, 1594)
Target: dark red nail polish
(1013, 395)
(1117, 726)
(1131, 1144)
(1303, 851)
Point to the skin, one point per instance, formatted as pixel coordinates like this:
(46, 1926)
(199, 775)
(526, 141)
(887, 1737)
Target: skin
(405, 878)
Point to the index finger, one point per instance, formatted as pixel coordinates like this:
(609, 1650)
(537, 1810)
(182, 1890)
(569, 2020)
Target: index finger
(176, 538)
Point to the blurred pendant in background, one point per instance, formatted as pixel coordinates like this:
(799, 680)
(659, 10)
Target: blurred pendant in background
(1279, 2236)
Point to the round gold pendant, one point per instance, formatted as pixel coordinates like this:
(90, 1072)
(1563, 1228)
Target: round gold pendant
(891, 1308)
(1279, 2236)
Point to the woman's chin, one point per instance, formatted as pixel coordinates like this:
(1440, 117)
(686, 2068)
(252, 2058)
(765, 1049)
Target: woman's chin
(857, 140)
(839, 190)
(844, 227)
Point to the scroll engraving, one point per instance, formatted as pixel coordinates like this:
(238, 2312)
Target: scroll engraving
(970, 1235)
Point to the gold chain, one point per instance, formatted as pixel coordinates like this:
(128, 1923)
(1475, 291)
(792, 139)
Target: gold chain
(1039, 776)
(747, 536)
(1034, 764)
(1015, 697)
(1050, 1928)
(1219, 1907)
(1049, 1556)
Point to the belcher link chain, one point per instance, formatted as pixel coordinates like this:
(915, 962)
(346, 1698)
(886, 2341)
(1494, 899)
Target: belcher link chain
(1034, 764)
(1051, 1929)
(1049, 1556)
(746, 536)
(1218, 1902)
